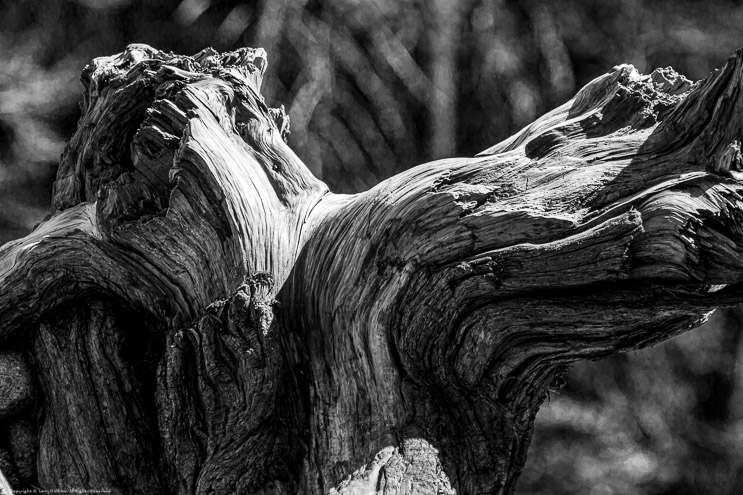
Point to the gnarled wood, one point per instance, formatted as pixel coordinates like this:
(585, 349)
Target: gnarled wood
(200, 305)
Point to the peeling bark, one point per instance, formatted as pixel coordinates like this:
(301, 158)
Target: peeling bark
(200, 314)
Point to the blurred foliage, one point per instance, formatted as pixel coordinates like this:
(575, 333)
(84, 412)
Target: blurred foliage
(377, 86)
(667, 420)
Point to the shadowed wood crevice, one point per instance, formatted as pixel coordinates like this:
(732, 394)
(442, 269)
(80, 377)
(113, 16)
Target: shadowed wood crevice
(224, 419)
(396, 341)
(99, 424)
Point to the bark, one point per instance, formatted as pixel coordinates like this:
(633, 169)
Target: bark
(201, 315)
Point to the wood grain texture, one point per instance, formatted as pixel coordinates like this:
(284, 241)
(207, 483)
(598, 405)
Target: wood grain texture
(203, 316)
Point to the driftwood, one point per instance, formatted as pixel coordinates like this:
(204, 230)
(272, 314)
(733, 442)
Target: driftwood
(201, 315)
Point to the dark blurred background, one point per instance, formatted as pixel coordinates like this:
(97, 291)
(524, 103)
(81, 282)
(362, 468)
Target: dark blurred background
(376, 86)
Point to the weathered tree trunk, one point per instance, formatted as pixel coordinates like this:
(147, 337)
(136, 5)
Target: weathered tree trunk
(200, 315)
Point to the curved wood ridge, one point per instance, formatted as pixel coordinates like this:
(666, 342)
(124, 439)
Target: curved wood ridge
(251, 332)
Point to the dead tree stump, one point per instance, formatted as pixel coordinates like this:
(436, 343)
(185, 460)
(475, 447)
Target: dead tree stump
(201, 315)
